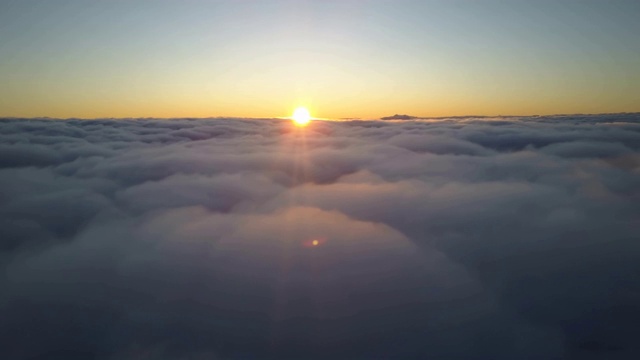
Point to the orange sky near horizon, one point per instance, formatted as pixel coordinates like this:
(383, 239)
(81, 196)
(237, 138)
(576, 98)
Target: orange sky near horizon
(347, 59)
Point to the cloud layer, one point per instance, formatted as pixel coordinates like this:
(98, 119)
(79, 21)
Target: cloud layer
(469, 238)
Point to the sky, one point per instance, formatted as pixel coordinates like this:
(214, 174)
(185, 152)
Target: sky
(364, 59)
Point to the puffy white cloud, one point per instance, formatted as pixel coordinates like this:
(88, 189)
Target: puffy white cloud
(457, 238)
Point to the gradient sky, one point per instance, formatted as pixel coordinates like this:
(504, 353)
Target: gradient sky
(159, 58)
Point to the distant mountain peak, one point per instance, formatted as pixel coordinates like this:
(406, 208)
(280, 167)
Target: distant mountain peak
(399, 117)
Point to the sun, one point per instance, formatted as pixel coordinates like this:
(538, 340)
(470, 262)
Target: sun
(301, 116)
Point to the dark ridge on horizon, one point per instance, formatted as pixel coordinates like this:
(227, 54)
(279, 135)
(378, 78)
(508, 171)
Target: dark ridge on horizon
(412, 117)
(399, 117)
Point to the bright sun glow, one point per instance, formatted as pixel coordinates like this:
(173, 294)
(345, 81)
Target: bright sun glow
(301, 116)
(315, 242)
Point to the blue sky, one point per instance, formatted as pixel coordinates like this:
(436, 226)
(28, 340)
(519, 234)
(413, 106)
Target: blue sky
(339, 58)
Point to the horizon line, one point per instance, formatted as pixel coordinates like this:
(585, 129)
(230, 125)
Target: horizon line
(410, 117)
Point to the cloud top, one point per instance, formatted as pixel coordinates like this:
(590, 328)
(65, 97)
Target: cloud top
(465, 238)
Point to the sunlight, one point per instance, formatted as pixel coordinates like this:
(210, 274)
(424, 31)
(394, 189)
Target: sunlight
(301, 116)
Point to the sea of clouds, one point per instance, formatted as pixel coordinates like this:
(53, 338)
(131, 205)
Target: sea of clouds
(492, 238)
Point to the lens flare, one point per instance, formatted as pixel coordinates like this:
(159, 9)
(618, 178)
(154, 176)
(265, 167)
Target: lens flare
(317, 242)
